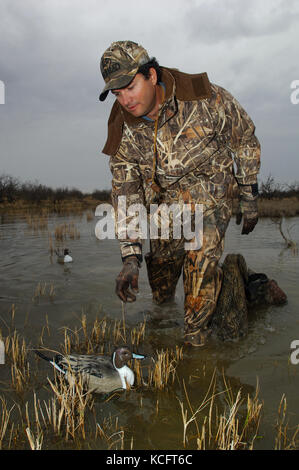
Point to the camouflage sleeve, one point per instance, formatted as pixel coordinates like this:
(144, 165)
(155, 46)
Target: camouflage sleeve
(242, 141)
(127, 190)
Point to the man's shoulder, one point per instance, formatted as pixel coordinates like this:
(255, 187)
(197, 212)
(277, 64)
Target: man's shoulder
(115, 125)
(188, 86)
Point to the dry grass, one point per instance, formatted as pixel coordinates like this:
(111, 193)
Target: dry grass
(224, 418)
(229, 430)
(285, 207)
(37, 222)
(283, 440)
(16, 352)
(44, 289)
(4, 419)
(89, 216)
(112, 433)
(64, 231)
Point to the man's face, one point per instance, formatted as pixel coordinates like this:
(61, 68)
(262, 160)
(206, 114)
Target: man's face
(139, 97)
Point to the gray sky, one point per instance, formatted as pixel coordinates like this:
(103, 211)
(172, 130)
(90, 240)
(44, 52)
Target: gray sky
(52, 126)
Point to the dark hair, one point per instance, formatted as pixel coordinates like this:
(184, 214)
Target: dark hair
(145, 69)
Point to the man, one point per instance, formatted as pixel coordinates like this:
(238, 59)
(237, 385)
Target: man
(171, 138)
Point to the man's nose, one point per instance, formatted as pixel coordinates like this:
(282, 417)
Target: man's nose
(125, 98)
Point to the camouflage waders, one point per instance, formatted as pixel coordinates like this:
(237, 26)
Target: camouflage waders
(201, 274)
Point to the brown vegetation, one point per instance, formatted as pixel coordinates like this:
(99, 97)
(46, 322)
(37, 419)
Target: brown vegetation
(225, 418)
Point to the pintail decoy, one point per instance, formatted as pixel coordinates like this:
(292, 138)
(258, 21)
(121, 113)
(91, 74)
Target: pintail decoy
(100, 374)
(65, 257)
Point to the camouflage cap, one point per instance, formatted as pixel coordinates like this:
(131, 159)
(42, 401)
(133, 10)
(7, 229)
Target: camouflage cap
(120, 63)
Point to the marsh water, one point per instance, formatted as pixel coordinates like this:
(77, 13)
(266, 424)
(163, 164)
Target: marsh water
(86, 286)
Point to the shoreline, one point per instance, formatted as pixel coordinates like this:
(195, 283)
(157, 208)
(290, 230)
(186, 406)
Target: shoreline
(275, 207)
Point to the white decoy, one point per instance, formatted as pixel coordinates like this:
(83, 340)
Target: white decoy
(65, 257)
(100, 374)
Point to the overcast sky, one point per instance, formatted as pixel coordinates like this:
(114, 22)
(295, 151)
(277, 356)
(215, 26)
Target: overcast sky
(52, 125)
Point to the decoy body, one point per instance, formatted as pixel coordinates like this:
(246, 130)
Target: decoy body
(65, 257)
(100, 374)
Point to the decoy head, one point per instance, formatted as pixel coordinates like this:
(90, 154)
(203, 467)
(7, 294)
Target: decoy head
(66, 251)
(123, 355)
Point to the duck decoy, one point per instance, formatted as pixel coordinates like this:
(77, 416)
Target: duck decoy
(64, 257)
(100, 374)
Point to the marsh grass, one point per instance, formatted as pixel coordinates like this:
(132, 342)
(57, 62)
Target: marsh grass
(112, 433)
(66, 230)
(224, 418)
(37, 222)
(234, 428)
(16, 352)
(4, 419)
(98, 336)
(285, 440)
(44, 289)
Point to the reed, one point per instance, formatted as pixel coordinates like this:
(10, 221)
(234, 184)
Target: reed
(44, 289)
(16, 351)
(89, 216)
(92, 338)
(228, 430)
(160, 372)
(283, 441)
(73, 402)
(4, 420)
(63, 231)
(112, 433)
(37, 222)
(138, 333)
(34, 441)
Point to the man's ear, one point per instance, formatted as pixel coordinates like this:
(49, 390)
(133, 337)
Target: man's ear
(153, 76)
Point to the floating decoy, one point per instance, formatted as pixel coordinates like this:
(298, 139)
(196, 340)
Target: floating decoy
(65, 257)
(100, 374)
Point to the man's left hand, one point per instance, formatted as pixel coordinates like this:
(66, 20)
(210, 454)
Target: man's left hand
(249, 212)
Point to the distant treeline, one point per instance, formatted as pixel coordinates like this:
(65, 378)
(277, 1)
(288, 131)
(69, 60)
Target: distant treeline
(11, 190)
(270, 189)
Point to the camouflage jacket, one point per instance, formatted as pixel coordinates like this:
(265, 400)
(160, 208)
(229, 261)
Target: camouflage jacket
(202, 130)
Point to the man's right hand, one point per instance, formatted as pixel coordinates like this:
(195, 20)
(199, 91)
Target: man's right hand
(127, 280)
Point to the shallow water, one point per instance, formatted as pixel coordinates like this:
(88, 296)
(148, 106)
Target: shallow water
(87, 286)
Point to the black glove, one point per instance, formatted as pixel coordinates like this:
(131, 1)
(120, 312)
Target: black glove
(128, 279)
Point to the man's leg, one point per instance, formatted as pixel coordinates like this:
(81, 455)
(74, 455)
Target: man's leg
(164, 266)
(203, 276)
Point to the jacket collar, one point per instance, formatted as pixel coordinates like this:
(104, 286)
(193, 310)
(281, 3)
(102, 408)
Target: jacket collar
(179, 86)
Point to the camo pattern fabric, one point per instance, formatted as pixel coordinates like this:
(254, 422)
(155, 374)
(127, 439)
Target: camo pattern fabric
(197, 143)
(120, 62)
(201, 274)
